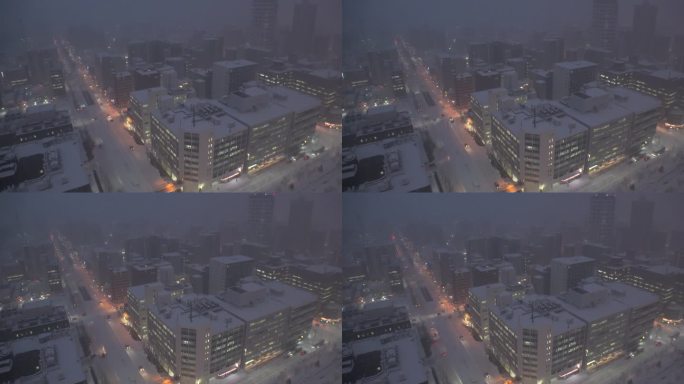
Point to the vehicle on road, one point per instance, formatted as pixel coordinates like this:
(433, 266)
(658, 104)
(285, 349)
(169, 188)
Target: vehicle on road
(141, 369)
(110, 118)
(467, 146)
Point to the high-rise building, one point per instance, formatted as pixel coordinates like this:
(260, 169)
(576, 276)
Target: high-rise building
(299, 224)
(230, 76)
(260, 211)
(461, 283)
(604, 23)
(554, 52)
(119, 281)
(227, 271)
(144, 78)
(378, 259)
(140, 108)
(640, 225)
(138, 302)
(487, 79)
(464, 86)
(482, 105)
(570, 76)
(602, 218)
(264, 23)
(122, 87)
(479, 301)
(303, 27)
(567, 272)
(644, 26)
(210, 246)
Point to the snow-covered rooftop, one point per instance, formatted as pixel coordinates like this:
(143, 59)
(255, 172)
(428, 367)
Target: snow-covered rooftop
(63, 160)
(278, 298)
(255, 105)
(200, 115)
(606, 299)
(538, 312)
(60, 358)
(537, 116)
(197, 311)
(392, 165)
(399, 358)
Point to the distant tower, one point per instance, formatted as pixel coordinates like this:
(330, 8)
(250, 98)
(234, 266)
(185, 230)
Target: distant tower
(641, 224)
(602, 218)
(260, 208)
(264, 22)
(303, 27)
(299, 224)
(643, 27)
(604, 23)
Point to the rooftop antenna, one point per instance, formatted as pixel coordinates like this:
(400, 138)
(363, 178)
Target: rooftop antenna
(193, 115)
(534, 122)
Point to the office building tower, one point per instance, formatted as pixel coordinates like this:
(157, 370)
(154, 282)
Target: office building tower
(303, 27)
(299, 224)
(230, 76)
(195, 338)
(145, 78)
(602, 218)
(644, 27)
(482, 105)
(198, 143)
(554, 52)
(570, 76)
(537, 339)
(604, 23)
(227, 271)
(264, 23)
(280, 120)
(623, 322)
(276, 317)
(210, 246)
(140, 108)
(139, 300)
(260, 213)
(640, 225)
(479, 301)
(464, 86)
(122, 87)
(567, 272)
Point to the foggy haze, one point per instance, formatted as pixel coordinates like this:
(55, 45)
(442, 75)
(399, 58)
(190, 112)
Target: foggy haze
(40, 20)
(505, 209)
(494, 15)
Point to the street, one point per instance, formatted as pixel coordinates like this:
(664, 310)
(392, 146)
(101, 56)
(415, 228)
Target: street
(460, 168)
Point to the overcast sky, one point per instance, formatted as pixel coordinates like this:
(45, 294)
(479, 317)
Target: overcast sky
(47, 17)
(519, 208)
(187, 209)
(491, 15)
